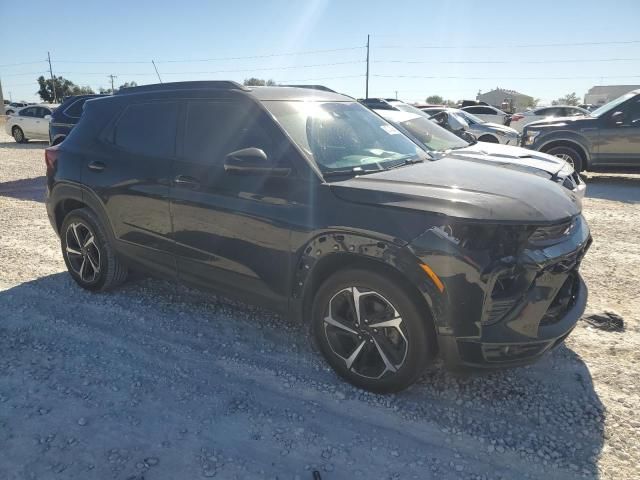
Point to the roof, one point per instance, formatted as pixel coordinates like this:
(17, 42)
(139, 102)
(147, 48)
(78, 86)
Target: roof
(260, 93)
(504, 91)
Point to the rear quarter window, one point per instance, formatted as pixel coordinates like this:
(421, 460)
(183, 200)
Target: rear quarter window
(75, 109)
(148, 129)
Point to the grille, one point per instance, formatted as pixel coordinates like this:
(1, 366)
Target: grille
(499, 308)
(550, 234)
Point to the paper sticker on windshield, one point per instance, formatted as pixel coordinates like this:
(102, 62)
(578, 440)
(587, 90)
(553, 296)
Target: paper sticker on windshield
(390, 130)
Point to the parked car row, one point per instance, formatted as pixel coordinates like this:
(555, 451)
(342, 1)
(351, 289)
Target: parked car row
(390, 237)
(31, 122)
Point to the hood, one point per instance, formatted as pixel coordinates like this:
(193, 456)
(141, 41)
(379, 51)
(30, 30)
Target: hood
(509, 157)
(502, 128)
(562, 122)
(464, 189)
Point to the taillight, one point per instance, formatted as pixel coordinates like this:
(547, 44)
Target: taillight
(516, 117)
(51, 157)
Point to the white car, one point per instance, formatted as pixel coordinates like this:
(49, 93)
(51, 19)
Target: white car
(30, 123)
(487, 113)
(519, 120)
(13, 107)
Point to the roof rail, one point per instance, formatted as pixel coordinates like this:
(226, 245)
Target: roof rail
(311, 87)
(194, 85)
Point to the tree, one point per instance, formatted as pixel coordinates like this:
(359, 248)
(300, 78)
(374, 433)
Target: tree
(532, 102)
(258, 82)
(63, 88)
(107, 91)
(435, 100)
(568, 99)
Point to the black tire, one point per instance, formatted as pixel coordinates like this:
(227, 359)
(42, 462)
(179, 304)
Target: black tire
(110, 273)
(570, 155)
(18, 135)
(412, 341)
(488, 139)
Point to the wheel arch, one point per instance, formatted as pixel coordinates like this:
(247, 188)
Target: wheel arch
(329, 253)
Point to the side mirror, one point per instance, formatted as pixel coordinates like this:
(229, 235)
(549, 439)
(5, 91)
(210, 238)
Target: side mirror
(617, 118)
(252, 161)
(47, 117)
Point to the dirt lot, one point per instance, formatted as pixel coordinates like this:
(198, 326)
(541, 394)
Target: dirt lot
(158, 381)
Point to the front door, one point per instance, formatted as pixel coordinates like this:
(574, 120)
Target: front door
(232, 231)
(619, 142)
(26, 120)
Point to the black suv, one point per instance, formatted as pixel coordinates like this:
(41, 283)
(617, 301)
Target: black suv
(306, 202)
(65, 117)
(607, 138)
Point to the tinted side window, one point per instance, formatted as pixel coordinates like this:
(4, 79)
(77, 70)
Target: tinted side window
(28, 112)
(214, 129)
(632, 114)
(41, 112)
(148, 129)
(75, 109)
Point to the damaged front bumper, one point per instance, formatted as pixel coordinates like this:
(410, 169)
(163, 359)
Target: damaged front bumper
(501, 311)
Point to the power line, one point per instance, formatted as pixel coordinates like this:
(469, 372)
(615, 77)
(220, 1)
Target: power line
(320, 78)
(507, 62)
(22, 63)
(531, 45)
(284, 54)
(505, 78)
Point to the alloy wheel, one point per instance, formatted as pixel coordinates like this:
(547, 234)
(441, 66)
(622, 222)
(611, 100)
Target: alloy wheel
(366, 331)
(18, 135)
(82, 252)
(566, 158)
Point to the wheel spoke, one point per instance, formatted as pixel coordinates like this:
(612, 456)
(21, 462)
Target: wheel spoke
(81, 272)
(74, 230)
(73, 251)
(387, 363)
(393, 323)
(352, 358)
(355, 297)
(89, 241)
(93, 264)
(332, 321)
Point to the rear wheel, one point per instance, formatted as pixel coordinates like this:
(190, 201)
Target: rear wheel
(89, 257)
(569, 155)
(371, 331)
(18, 135)
(488, 139)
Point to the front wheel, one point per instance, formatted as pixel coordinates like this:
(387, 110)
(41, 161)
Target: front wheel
(89, 257)
(371, 331)
(18, 135)
(569, 155)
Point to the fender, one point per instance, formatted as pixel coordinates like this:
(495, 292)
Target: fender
(341, 248)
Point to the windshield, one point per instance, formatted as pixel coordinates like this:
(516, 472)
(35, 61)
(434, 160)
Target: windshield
(612, 104)
(469, 117)
(432, 135)
(344, 136)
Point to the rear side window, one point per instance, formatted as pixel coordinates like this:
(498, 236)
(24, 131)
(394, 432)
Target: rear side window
(28, 112)
(214, 129)
(481, 110)
(75, 109)
(148, 129)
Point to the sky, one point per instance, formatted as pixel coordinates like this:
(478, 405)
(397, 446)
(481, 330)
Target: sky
(543, 48)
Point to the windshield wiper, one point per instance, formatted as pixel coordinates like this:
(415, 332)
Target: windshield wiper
(405, 161)
(349, 171)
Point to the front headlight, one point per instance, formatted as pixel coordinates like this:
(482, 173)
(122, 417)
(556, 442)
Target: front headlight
(530, 137)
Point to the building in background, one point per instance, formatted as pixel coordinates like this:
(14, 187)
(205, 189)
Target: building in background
(501, 98)
(601, 94)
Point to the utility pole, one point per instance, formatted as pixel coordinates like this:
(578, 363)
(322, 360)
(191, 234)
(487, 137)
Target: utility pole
(53, 83)
(367, 85)
(112, 77)
(1, 100)
(396, 94)
(157, 73)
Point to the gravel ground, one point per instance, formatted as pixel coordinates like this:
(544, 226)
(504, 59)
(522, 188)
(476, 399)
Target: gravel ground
(159, 381)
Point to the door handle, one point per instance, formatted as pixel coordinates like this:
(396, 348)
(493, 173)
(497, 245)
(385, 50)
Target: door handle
(186, 181)
(96, 166)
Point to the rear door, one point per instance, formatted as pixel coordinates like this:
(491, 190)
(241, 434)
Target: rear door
(232, 231)
(131, 176)
(26, 120)
(619, 143)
